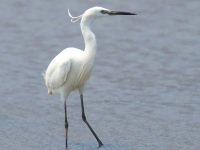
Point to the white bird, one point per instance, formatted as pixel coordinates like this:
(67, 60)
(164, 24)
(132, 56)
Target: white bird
(72, 67)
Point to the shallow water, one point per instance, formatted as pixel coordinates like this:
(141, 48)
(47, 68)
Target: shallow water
(144, 90)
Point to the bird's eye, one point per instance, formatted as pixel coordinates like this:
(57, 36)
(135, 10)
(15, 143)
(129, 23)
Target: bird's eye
(104, 11)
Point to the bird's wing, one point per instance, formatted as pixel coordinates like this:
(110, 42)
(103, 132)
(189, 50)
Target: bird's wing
(59, 75)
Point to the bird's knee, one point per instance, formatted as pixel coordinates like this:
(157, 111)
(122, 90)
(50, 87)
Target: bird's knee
(66, 125)
(84, 118)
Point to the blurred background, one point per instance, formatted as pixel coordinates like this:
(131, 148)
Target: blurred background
(144, 93)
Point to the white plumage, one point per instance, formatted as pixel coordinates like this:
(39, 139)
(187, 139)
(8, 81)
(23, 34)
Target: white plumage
(68, 71)
(72, 67)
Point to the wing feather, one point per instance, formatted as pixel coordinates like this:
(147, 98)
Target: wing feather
(58, 70)
(56, 74)
(59, 76)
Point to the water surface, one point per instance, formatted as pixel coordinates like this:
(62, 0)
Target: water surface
(145, 87)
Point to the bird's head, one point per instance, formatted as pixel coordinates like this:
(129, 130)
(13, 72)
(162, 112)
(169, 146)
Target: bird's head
(101, 12)
(97, 12)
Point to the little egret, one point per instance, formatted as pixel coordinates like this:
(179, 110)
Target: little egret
(72, 67)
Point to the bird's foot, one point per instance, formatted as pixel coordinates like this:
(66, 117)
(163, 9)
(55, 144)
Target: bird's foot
(100, 145)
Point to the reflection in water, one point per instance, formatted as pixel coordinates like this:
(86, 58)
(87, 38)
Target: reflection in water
(90, 146)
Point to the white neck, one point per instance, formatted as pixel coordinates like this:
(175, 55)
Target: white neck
(89, 37)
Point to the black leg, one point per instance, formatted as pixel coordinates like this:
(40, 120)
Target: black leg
(85, 120)
(66, 124)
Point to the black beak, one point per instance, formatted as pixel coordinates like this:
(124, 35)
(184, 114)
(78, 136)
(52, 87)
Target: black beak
(112, 13)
